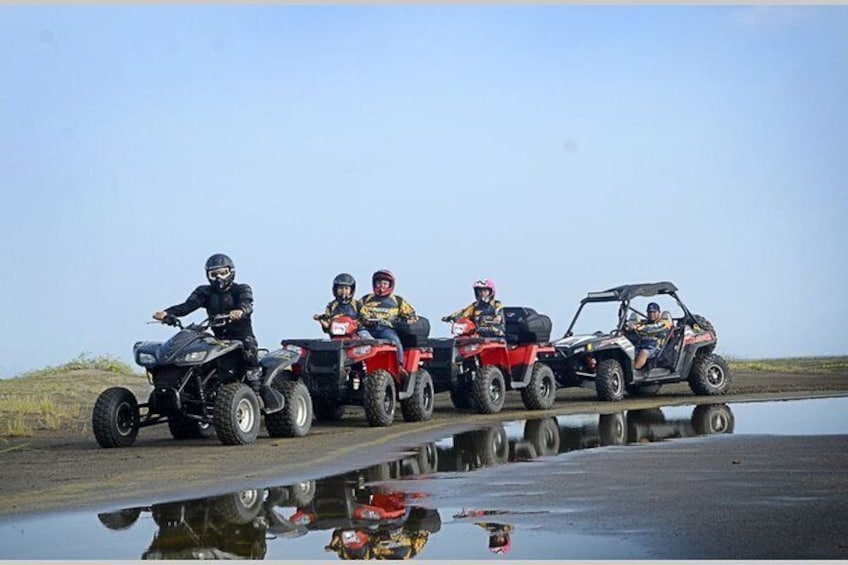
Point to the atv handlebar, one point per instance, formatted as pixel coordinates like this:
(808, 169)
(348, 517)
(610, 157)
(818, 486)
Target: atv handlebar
(215, 321)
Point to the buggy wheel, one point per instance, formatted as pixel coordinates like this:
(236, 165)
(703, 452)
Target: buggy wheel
(609, 380)
(239, 507)
(237, 414)
(461, 397)
(612, 428)
(544, 435)
(188, 428)
(114, 419)
(709, 375)
(419, 406)
(295, 419)
(379, 398)
(489, 390)
(540, 392)
(713, 419)
(120, 520)
(328, 411)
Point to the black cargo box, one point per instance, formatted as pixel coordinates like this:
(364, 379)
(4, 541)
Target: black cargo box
(414, 334)
(524, 325)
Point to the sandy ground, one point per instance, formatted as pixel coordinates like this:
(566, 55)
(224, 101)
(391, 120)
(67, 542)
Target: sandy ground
(679, 498)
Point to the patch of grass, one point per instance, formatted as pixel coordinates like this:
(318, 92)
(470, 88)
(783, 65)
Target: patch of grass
(62, 397)
(824, 365)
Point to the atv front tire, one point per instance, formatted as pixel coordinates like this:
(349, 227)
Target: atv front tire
(239, 507)
(609, 380)
(489, 390)
(709, 375)
(540, 392)
(295, 419)
(236, 414)
(419, 406)
(115, 418)
(379, 398)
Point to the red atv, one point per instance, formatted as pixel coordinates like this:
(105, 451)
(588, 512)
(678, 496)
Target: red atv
(479, 370)
(349, 370)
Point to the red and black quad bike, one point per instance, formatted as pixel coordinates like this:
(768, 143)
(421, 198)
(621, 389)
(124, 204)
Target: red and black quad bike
(349, 370)
(479, 370)
(604, 360)
(199, 389)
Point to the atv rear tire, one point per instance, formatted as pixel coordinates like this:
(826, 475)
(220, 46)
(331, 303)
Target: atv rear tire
(187, 428)
(114, 419)
(419, 406)
(710, 419)
(295, 419)
(709, 375)
(236, 414)
(540, 392)
(494, 446)
(379, 398)
(489, 390)
(609, 380)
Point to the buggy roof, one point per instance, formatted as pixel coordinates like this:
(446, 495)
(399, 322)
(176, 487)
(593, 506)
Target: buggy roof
(630, 291)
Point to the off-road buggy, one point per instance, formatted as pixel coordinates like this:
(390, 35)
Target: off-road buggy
(479, 370)
(604, 360)
(349, 370)
(199, 389)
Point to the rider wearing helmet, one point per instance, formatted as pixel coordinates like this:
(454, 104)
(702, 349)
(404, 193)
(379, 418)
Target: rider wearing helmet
(485, 311)
(651, 333)
(343, 303)
(225, 296)
(382, 309)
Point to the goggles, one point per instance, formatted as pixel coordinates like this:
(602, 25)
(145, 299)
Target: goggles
(219, 273)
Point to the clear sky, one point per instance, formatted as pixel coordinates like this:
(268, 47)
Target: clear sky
(555, 149)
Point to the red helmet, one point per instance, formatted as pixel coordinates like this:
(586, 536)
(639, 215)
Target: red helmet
(383, 275)
(484, 283)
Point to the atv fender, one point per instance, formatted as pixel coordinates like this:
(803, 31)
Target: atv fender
(521, 361)
(412, 359)
(276, 362)
(229, 348)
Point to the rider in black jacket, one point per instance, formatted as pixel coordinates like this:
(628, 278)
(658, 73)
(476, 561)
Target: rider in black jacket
(224, 296)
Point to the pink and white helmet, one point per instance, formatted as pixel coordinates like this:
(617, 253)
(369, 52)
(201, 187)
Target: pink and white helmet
(484, 283)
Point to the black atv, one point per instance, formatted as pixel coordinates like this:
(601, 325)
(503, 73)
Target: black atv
(199, 389)
(604, 360)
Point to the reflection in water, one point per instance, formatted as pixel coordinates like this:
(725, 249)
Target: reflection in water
(370, 518)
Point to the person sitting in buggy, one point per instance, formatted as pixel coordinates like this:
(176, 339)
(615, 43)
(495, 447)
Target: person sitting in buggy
(651, 335)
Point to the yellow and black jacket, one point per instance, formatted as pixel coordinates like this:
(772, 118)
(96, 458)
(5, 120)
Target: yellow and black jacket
(387, 309)
(481, 313)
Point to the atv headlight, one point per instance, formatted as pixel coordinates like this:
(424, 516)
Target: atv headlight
(145, 359)
(194, 356)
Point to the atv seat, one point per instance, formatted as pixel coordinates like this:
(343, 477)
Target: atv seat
(667, 357)
(414, 334)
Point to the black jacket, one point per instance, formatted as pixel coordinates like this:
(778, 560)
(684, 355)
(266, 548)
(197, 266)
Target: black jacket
(238, 297)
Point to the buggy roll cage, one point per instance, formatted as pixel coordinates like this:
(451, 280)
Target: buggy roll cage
(625, 294)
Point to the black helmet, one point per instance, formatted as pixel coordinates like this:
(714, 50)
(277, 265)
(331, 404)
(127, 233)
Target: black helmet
(220, 271)
(344, 279)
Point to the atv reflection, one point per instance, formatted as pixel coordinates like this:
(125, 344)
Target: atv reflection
(550, 436)
(232, 526)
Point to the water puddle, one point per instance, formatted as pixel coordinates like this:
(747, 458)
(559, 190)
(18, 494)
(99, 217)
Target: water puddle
(383, 512)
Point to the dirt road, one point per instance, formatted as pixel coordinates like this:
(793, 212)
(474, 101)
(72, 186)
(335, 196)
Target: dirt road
(67, 469)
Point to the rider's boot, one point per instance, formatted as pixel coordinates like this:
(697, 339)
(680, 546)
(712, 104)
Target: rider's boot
(271, 398)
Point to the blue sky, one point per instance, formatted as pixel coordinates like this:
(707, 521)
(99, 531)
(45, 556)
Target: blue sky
(555, 149)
